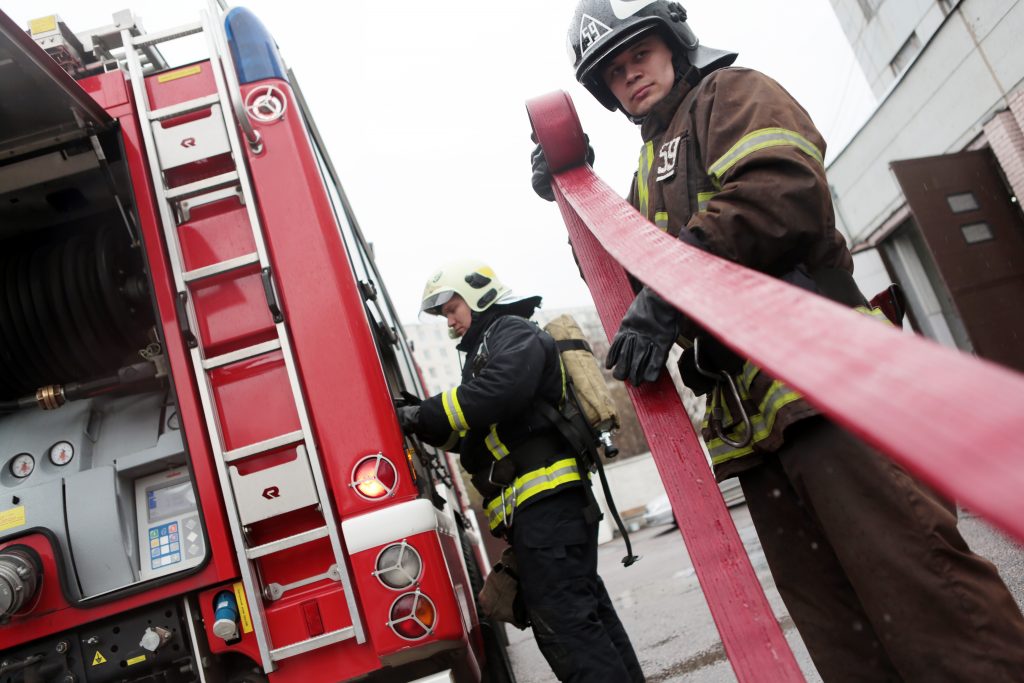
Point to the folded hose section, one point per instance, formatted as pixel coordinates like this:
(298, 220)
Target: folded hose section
(951, 419)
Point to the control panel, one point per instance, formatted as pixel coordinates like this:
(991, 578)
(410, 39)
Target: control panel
(170, 535)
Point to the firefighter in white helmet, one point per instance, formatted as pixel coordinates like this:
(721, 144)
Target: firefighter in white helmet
(533, 491)
(870, 564)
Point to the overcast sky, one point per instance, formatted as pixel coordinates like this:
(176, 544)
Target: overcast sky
(421, 105)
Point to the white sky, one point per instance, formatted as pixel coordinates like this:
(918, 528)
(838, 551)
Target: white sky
(421, 105)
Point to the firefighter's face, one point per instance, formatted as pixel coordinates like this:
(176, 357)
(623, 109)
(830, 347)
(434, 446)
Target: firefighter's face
(458, 314)
(641, 74)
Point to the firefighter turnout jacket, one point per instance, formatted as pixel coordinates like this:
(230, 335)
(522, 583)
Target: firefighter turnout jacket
(513, 453)
(735, 159)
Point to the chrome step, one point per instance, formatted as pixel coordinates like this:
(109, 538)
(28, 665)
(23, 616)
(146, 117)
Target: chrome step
(286, 542)
(221, 267)
(183, 108)
(241, 354)
(170, 34)
(312, 643)
(263, 446)
(200, 186)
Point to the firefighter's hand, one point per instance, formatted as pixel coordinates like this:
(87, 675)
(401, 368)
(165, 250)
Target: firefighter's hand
(702, 373)
(641, 346)
(409, 418)
(542, 174)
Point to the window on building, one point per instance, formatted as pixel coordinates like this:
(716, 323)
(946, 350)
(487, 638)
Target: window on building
(976, 232)
(906, 54)
(962, 202)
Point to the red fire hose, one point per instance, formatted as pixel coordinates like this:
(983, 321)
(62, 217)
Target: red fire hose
(950, 419)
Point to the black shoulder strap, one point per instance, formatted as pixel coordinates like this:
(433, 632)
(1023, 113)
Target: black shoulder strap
(587, 457)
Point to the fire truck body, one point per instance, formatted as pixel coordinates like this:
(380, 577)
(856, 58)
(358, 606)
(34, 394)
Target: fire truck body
(202, 475)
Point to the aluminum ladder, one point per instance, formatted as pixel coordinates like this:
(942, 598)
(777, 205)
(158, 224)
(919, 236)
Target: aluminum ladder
(305, 473)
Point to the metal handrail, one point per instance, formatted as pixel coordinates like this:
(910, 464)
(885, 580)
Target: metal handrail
(252, 136)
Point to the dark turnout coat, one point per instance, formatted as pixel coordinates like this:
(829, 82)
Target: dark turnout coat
(515, 455)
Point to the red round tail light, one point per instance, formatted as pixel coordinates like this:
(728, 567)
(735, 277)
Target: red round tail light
(374, 477)
(412, 616)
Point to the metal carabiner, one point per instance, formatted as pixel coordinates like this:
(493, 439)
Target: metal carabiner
(716, 421)
(507, 516)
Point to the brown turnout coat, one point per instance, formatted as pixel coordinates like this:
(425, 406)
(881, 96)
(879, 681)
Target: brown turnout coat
(739, 162)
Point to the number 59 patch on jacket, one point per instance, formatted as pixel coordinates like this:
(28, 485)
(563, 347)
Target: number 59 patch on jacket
(667, 158)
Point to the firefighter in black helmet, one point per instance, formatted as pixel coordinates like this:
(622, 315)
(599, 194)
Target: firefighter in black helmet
(534, 493)
(869, 562)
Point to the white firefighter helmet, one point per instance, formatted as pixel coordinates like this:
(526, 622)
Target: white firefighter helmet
(600, 28)
(473, 280)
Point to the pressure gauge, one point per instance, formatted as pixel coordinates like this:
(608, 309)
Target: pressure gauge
(22, 465)
(61, 453)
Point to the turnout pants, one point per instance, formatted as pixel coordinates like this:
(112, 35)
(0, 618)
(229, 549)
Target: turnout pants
(870, 564)
(574, 623)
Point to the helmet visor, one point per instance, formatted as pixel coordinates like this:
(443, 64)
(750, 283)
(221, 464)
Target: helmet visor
(433, 303)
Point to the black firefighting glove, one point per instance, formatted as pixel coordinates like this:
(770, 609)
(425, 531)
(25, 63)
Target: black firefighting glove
(409, 418)
(407, 399)
(541, 172)
(640, 347)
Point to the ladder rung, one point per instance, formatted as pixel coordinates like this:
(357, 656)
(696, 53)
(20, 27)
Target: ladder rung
(264, 446)
(242, 354)
(202, 185)
(221, 267)
(170, 34)
(286, 543)
(183, 108)
(312, 643)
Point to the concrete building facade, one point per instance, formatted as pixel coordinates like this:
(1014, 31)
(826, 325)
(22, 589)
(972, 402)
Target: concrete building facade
(927, 191)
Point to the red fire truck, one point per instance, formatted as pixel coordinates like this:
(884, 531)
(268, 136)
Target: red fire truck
(201, 473)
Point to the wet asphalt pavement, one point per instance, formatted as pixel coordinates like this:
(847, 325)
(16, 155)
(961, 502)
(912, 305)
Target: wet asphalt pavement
(662, 607)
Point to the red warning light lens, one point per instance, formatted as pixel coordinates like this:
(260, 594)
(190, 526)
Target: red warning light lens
(412, 616)
(374, 477)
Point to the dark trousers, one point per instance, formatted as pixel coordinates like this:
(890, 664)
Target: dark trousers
(574, 623)
(870, 564)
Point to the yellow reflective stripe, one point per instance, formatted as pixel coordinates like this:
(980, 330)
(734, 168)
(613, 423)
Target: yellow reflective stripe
(450, 401)
(453, 439)
(762, 139)
(874, 313)
(778, 396)
(529, 485)
(642, 176)
(702, 200)
(747, 376)
(494, 444)
(661, 220)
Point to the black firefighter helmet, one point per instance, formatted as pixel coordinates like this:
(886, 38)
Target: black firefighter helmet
(600, 27)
